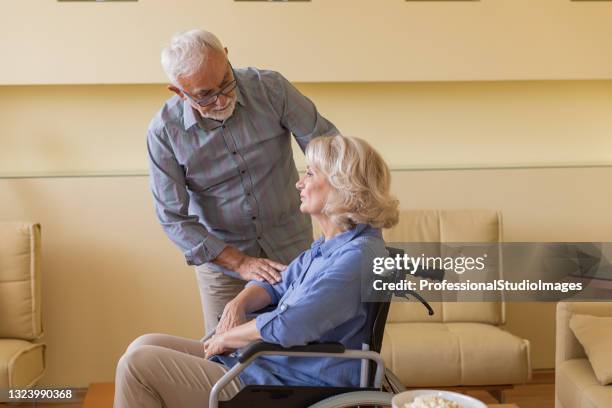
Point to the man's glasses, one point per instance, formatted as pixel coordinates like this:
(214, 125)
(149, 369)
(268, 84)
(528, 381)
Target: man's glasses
(226, 90)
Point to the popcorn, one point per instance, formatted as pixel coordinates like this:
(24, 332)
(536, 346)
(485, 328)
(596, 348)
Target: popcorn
(431, 401)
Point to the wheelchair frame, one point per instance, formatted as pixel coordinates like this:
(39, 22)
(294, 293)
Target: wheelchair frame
(307, 396)
(329, 391)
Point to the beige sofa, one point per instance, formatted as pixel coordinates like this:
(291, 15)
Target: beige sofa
(463, 343)
(575, 383)
(22, 360)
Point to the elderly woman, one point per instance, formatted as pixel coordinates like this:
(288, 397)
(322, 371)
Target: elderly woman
(346, 189)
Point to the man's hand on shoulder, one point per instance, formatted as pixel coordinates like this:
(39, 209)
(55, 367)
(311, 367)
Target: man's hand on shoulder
(250, 268)
(261, 269)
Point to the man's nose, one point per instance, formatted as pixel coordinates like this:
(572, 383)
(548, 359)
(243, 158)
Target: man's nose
(221, 101)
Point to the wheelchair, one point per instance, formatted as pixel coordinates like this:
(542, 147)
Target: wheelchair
(377, 384)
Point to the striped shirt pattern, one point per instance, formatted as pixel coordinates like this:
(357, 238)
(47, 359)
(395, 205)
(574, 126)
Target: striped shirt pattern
(233, 182)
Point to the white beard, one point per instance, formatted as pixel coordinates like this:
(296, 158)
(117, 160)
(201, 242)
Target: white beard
(222, 114)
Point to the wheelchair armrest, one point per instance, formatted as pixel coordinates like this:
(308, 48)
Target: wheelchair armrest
(259, 346)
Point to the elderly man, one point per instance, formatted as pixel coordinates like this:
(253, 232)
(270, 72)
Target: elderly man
(222, 170)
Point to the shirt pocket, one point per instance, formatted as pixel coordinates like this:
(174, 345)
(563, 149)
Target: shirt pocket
(210, 169)
(257, 127)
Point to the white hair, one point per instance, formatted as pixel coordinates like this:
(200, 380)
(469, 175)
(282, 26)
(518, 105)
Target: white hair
(187, 52)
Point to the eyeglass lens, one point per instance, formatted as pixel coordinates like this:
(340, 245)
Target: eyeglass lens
(213, 98)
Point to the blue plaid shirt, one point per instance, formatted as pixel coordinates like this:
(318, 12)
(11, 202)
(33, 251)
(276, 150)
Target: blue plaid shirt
(319, 299)
(217, 183)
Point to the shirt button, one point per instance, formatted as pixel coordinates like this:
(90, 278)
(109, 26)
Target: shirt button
(234, 152)
(253, 218)
(242, 171)
(258, 237)
(283, 307)
(249, 193)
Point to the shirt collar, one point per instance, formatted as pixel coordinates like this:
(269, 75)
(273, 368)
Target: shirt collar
(328, 247)
(191, 117)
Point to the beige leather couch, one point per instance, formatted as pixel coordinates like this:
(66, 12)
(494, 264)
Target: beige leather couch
(575, 383)
(463, 343)
(22, 361)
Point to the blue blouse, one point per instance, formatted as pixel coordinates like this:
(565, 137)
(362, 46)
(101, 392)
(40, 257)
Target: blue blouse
(319, 299)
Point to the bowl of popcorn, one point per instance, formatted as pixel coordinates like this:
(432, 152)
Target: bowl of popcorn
(435, 399)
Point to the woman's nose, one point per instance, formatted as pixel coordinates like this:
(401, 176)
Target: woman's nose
(300, 184)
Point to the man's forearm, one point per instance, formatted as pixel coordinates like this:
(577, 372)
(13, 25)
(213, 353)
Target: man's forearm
(252, 299)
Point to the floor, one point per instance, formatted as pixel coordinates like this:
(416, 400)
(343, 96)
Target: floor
(525, 396)
(538, 394)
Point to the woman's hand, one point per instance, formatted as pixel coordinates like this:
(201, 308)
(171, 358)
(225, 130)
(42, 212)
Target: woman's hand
(233, 339)
(215, 345)
(233, 315)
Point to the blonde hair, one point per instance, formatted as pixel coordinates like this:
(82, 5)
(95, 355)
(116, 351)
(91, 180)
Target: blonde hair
(360, 179)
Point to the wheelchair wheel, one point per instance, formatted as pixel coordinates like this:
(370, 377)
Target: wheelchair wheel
(356, 399)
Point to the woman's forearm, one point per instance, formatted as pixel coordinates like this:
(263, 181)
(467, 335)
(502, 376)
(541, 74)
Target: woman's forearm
(252, 299)
(241, 336)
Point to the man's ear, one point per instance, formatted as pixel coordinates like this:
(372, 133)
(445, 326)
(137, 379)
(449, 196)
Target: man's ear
(177, 91)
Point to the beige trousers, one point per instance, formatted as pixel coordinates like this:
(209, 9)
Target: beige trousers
(216, 289)
(163, 371)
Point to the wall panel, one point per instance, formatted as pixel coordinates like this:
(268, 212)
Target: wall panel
(46, 130)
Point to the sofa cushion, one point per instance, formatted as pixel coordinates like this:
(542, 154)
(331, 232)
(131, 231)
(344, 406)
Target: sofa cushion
(595, 335)
(421, 226)
(21, 363)
(446, 312)
(568, 347)
(456, 354)
(576, 385)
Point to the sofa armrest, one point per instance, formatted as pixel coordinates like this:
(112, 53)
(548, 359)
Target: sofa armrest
(20, 281)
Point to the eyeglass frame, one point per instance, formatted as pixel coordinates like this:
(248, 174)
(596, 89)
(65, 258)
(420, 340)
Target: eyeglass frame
(213, 98)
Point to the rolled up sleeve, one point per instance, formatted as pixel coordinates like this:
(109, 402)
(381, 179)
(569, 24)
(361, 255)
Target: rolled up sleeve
(171, 200)
(333, 298)
(269, 288)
